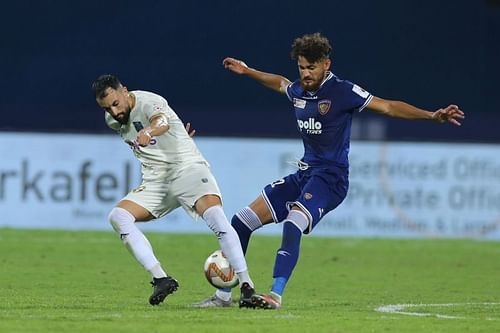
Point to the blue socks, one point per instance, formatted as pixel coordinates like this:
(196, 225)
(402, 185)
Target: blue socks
(286, 257)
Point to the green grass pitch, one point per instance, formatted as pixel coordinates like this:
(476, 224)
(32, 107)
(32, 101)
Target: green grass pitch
(62, 281)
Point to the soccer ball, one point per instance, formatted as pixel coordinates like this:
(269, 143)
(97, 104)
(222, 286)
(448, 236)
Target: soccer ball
(219, 272)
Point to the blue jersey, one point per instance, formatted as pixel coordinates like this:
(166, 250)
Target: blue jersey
(324, 119)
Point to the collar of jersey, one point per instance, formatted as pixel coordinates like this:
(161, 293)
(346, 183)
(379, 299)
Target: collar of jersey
(329, 75)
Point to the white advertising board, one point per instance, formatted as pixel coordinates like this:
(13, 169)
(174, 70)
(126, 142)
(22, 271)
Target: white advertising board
(396, 189)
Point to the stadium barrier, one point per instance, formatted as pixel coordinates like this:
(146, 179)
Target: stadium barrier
(404, 190)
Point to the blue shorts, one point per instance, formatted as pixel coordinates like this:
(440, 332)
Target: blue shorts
(315, 190)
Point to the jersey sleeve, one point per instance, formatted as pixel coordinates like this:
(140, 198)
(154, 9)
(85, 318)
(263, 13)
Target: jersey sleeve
(156, 107)
(355, 97)
(288, 92)
(292, 90)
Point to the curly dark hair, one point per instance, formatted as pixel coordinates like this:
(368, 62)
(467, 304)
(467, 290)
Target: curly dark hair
(313, 47)
(104, 82)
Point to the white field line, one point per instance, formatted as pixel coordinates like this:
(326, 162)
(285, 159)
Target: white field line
(402, 309)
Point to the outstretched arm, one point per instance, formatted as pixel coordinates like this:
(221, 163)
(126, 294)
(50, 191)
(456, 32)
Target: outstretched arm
(399, 109)
(272, 81)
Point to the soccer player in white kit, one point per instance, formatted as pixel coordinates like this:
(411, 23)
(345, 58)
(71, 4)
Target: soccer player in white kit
(174, 174)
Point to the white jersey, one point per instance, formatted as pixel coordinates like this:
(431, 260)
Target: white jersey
(168, 151)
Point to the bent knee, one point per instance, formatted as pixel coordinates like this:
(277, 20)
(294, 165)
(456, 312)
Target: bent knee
(119, 218)
(299, 219)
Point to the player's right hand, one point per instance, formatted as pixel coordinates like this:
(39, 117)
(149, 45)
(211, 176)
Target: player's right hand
(235, 65)
(143, 137)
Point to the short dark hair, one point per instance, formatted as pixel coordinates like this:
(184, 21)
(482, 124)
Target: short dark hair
(313, 47)
(104, 82)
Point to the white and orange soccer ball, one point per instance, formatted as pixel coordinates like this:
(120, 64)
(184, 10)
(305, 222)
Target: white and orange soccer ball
(219, 272)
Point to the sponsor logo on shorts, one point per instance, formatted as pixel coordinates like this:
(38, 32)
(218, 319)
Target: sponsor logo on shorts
(308, 196)
(204, 180)
(324, 106)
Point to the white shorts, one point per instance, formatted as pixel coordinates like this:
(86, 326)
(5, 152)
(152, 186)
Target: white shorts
(183, 188)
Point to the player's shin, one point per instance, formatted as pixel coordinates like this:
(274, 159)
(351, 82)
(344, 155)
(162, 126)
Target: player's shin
(124, 224)
(228, 241)
(245, 222)
(286, 257)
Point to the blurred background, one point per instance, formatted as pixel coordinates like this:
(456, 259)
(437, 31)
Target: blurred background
(61, 166)
(428, 53)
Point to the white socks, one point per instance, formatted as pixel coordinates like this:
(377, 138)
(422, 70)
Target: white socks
(124, 224)
(228, 241)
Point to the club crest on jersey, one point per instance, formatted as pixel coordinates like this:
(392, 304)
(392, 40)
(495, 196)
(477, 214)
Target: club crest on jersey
(324, 106)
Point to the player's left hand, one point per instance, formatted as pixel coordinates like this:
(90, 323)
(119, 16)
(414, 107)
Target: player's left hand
(451, 114)
(188, 129)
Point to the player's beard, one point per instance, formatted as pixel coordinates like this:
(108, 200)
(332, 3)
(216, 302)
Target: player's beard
(123, 120)
(309, 84)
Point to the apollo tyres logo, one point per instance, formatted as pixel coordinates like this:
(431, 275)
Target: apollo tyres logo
(310, 126)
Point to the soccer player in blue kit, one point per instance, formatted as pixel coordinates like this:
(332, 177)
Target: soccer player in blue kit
(324, 105)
